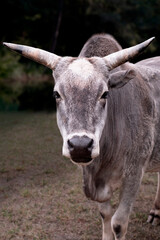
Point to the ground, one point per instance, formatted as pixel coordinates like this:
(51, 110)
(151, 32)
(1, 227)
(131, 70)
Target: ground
(41, 195)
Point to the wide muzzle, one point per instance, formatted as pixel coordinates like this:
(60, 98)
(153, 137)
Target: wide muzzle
(80, 148)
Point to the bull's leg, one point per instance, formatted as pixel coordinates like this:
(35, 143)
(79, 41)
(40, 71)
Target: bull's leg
(154, 216)
(105, 210)
(119, 221)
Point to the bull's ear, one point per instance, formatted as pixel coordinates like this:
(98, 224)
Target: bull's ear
(120, 78)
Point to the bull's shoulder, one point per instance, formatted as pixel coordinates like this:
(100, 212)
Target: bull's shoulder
(100, 45)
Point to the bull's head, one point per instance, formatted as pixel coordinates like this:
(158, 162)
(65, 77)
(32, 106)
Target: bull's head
(81, 90)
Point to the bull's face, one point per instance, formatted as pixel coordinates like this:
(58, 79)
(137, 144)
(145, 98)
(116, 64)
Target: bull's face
(81, 90)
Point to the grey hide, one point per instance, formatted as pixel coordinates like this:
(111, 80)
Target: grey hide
(108, 112)
(130, 143)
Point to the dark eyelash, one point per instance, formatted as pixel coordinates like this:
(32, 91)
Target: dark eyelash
(104, 95)
(56, 95)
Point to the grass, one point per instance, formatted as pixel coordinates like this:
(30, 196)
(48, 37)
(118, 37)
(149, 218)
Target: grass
(41, 195)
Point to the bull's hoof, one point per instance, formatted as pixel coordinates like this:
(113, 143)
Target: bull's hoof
(154, 217)
(118, 232)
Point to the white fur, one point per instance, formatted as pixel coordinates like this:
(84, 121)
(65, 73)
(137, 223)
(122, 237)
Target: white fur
(82, 66)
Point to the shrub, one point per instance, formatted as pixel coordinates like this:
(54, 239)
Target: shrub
(9, 64)
(37, 97)
(8, 98)
(25, 87)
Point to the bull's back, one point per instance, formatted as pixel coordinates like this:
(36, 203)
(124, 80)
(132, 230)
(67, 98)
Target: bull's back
(152, 67)
(150, 62)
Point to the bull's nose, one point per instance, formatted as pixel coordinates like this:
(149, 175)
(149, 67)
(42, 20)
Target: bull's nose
(80, 148)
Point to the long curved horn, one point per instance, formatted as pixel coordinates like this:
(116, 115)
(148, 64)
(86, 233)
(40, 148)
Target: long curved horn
(115, 59)
(43, 57)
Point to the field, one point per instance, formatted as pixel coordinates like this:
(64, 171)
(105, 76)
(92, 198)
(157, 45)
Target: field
(41, 195)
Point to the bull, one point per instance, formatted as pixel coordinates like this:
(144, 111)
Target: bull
(108, 113)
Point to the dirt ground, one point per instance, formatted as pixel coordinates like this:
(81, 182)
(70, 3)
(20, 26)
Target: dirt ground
(41, 195)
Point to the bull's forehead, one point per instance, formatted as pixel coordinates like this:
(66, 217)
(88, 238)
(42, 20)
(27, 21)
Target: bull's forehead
(81, 72)
(82, 68)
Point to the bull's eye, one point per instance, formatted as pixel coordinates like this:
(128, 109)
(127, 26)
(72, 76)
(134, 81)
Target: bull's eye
(56, 95)
(104, 95)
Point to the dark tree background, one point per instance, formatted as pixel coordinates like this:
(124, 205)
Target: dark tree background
(62, 27)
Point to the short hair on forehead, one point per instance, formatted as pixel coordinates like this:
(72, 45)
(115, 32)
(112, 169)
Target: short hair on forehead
(83, 73)
(82, 66)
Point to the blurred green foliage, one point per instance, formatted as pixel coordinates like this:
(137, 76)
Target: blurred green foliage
(34, 22)
(8, 64)
(34, 96)
(8, 98)
(37, 97)
(63, 26)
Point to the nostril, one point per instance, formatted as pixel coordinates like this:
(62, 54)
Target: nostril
(90, 144)
(80, 148)
(71, 145)
(83, 143)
